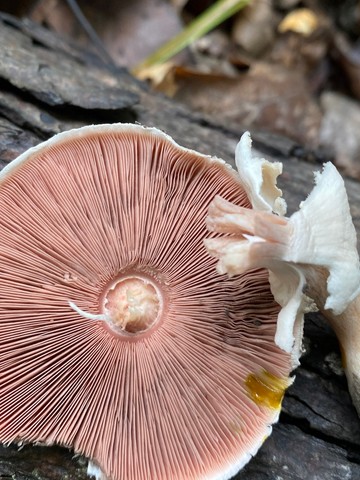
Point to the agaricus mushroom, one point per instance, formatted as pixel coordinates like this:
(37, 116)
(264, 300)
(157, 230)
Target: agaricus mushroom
(316, 247)
(118, 338)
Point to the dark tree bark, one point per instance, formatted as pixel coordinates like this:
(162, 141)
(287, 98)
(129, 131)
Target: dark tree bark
(48, 85)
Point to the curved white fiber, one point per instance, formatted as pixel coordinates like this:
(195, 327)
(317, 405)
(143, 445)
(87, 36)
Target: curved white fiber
(87, 315)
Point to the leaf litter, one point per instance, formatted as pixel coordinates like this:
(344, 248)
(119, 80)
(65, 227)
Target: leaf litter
(286, 67)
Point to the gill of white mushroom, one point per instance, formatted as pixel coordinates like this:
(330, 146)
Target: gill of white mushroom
(312, 251)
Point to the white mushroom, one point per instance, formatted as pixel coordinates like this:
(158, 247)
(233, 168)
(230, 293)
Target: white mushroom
(314, 246)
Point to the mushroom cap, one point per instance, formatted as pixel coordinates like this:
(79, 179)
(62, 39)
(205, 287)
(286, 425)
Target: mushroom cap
(105, 223)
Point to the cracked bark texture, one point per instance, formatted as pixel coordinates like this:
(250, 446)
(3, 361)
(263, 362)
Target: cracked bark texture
(48, 85)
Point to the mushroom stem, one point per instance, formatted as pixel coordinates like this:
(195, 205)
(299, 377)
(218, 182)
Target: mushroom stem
(346, 327)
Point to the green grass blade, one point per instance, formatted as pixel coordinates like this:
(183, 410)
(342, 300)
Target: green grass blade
(208, 20)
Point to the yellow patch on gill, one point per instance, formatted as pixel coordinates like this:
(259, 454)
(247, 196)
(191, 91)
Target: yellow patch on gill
(267, 389)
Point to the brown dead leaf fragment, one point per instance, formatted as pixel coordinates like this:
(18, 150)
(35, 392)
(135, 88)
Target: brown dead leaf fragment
(305, 54)
(266, 97)
(296, 52)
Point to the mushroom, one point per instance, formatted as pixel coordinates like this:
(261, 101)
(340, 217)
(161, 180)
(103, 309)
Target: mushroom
(314, 248)
(118, 338)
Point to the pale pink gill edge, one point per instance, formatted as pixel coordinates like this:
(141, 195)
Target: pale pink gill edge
(106, 128)
(95, 471)
(79, 133)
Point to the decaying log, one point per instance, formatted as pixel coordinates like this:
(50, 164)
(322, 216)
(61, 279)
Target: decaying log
(48, 85)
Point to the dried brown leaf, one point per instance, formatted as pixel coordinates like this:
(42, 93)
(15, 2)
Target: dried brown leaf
(267, 97)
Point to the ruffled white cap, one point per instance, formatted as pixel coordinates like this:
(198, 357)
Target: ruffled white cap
(321, 233)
